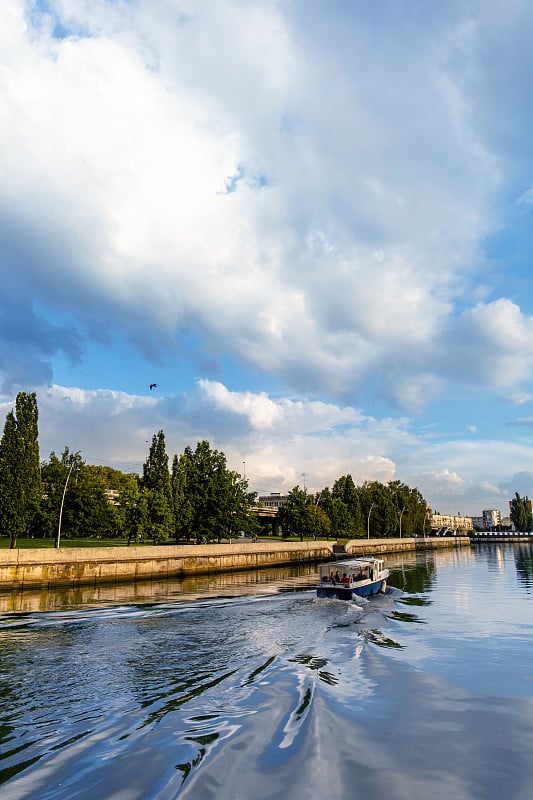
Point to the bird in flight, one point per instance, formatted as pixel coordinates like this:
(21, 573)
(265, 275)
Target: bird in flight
(153, 386)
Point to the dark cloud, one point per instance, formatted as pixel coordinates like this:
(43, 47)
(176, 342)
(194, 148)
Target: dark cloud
(28, 344)
(521, 482)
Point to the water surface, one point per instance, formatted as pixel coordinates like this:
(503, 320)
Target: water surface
(248, 687)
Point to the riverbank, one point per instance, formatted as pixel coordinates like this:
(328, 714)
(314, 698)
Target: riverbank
(37, 568)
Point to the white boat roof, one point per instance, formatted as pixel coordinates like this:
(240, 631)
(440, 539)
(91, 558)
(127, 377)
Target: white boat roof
(360, 561)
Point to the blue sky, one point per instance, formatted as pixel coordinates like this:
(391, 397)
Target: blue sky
(310, 223)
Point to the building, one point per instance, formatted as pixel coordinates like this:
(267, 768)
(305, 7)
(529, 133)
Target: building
(491, 518)
(273, 500)
(454, 523)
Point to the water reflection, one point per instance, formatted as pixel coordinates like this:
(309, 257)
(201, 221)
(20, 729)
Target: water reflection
(246, 685)
(524, 565)
(411, 572)
(227, 584)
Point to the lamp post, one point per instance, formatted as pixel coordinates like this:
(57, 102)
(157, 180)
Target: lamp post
(56, 543)
(244, 470)
(368, 520)
(317, 501)
(401, 514)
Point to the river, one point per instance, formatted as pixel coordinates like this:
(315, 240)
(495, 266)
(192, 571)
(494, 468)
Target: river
(247, 687)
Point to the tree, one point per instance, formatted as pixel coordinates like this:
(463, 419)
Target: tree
(521, 513)
(345, 489)
(380, 512)
(319, 521)
(293, 515)
(132, 510)
(341, 521)
(410, 506)
(156, 485)
(214, 501)
(20, 476)
(77, 494)
(181, 508)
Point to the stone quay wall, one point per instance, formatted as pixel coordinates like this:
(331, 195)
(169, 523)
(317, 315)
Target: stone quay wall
(47, 568)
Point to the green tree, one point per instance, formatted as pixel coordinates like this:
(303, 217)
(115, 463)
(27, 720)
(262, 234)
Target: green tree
(212, 501)
(379, 509)
(133, 510)
(345, 489)
(293, 515)
(521, 514)
(319, 522)
(156, 486)
(411, 509)
(20, 476)
(181, 507)
(77, 495)
(89, 511)
(341, 521)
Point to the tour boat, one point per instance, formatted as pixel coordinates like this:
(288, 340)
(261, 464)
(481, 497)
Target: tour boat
(361, 576)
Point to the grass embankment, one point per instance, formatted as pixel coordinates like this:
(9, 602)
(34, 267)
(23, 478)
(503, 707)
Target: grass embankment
(23, 543)
(5, 543)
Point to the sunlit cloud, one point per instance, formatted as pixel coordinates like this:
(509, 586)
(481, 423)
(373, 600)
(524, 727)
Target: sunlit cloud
(317, 214)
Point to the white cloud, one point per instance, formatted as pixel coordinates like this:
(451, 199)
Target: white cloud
(283, 441)
(338, 257)
(496, 345)
(300, 191)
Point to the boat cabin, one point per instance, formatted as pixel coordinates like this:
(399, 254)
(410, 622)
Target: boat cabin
(350, 572)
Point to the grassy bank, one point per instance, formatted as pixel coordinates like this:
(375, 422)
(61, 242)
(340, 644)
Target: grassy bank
(23, 543)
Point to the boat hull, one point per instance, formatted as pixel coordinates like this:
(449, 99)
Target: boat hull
(339, 592)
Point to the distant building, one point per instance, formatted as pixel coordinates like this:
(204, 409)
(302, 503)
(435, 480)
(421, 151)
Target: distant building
(491, 518)
(112, 496)
(455, 523)
(273, 500)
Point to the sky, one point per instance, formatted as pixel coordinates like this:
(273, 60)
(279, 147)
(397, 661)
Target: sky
(309, 222)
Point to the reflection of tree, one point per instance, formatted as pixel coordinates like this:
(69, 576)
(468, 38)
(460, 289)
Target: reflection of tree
(524, 564)
(413, 578)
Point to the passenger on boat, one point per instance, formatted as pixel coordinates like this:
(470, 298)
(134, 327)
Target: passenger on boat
(345, 578)
(337, 578)
(332, 577)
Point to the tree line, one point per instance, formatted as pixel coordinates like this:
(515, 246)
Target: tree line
(351, 511)
(194, 496)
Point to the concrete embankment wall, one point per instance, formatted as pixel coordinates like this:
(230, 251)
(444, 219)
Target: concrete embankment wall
(91, 565)
(359, 547)
(46, 568)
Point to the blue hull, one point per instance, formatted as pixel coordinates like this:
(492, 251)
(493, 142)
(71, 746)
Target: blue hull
(340, 592)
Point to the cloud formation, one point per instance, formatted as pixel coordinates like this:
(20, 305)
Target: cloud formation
(299, 197)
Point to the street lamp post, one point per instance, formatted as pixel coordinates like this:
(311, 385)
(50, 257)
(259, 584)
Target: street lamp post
(56, 543)
(317, 501)
(368, 521)
(401, 514)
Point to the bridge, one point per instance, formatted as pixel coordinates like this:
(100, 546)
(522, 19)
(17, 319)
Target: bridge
(267, 516)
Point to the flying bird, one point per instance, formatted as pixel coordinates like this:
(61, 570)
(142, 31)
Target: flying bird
(153, 386)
